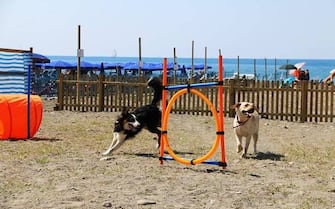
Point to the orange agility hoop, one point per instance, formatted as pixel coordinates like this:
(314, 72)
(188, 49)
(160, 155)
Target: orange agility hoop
(219, 117)
(165, 125)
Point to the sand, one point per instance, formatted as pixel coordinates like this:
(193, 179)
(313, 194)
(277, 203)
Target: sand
(61, 166)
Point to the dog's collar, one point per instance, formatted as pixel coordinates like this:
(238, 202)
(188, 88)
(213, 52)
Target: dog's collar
(241, 123)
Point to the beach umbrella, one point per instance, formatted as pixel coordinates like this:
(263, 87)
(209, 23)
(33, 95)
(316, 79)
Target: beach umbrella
(171, 65)
(287, 67)
(198, 67)
(87, 65)
(39, 58)
(130, 66)
(59, 64)
(147, 66)
(108, 65)
(157, 66)
(299, 65)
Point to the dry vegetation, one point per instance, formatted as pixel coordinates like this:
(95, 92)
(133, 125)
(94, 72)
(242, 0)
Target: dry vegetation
(61, 167)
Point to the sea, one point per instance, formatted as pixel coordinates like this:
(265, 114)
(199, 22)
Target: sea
(264, 69)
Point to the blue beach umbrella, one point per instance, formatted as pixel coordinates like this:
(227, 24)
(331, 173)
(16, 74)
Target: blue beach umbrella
(59, 64)
(147, 66)
(39, 58)
(198, 67)
(87, 65)
(108, 65)
(130, 66)
(152, 66)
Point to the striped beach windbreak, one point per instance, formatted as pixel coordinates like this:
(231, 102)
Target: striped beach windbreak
(14, 67)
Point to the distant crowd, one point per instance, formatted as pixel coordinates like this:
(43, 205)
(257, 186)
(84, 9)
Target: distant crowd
(301, 74)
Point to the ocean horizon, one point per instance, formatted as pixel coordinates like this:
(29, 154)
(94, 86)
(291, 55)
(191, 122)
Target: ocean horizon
(266, 69)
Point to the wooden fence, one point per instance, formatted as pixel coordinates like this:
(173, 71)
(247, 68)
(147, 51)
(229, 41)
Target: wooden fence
(308, 101)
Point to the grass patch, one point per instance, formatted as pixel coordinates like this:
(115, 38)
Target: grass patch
(313, 202)
(43, 160)
(311, 154)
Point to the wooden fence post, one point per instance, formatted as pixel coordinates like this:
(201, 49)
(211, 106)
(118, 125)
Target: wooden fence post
(101, 92)
(60, 97)
(304, 89)
(231, 97)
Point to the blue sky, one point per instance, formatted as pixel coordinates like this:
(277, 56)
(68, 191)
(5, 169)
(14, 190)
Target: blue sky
(245, 28)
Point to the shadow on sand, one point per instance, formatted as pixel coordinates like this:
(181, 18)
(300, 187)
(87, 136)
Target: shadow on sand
(45, 139)
(215, 169)
(36, 139)
(268, 156)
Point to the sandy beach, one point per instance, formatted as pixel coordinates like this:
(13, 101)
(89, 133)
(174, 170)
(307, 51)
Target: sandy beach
(61, 166)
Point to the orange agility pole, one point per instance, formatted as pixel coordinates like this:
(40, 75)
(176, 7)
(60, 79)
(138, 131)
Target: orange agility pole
(163, 134)
(221, 107)
(218, 119)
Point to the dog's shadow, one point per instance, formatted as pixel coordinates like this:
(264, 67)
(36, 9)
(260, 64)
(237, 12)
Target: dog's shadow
(268, 156)
(144, 155)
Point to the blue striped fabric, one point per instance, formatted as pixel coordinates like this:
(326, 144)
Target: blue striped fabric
(14, 72)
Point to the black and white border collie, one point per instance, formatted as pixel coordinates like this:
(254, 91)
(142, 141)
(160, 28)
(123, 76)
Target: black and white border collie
(128, 124)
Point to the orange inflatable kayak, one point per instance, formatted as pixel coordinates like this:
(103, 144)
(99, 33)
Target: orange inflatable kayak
(14, 116)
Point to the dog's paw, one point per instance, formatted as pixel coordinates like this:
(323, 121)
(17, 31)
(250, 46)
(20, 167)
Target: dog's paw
(106, 152)
(106, 158)
(239, 148)
(244, 155)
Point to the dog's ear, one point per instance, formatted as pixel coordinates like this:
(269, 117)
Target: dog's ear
(235, 105)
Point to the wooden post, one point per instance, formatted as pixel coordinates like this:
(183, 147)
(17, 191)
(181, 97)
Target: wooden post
(192, 70)
(286, 70)
(205, 67)
(60, 96)
(265, 69)
(255, 69)
(275, 69)
(231, 97)
(238, 67)
(175, 66)
(78, 66)
(101, 92)
(304, 89)
(139, 56)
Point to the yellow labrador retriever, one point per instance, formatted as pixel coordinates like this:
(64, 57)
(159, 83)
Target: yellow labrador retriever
(246, 124)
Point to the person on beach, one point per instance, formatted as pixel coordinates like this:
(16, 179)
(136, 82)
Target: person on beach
(329, 79)
(306, 75)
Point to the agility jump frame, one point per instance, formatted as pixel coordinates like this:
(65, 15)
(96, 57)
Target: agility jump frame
(219, 118)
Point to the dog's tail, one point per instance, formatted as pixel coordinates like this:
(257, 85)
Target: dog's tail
(156, 84)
